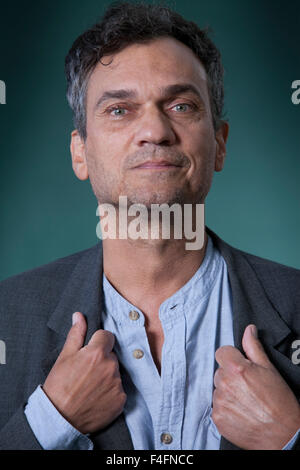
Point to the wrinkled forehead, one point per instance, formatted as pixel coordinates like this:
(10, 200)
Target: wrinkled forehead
(148, 69)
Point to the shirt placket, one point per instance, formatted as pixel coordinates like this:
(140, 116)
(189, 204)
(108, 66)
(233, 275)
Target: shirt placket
(169, 419)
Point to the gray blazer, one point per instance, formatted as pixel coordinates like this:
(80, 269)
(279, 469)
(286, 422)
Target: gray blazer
(35, 317)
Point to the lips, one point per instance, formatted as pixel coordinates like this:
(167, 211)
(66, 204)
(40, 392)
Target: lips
(157, 164)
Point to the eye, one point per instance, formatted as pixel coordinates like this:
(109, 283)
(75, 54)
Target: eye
(182, 107)
(117, 111)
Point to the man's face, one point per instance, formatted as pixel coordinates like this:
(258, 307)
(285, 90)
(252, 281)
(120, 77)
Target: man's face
(150, 134)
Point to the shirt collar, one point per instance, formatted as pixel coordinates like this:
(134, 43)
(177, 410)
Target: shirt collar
(198, 287)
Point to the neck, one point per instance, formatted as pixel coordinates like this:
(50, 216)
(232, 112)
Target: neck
(148, 272)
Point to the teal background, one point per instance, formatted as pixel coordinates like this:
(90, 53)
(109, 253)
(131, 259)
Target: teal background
(46, 213)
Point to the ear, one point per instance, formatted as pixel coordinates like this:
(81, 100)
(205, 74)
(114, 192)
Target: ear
(221, 139)
(79, 164)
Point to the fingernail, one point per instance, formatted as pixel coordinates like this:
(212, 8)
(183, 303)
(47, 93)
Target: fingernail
(254, 331)
(75, 318)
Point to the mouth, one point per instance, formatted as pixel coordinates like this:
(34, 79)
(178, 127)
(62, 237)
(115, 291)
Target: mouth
(157, 165)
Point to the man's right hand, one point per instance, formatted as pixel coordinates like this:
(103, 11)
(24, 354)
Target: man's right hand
(85, 384)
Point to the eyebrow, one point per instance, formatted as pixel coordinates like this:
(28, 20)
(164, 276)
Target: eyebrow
(167, 92)
(178, 88)
(117, 94)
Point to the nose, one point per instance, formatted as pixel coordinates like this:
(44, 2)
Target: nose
(154, 128)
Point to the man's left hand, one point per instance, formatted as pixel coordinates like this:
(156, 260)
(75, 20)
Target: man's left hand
(253, 407)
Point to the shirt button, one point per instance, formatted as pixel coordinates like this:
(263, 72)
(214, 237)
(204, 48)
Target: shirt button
(134, 315)
(166, 438)
(138, 353)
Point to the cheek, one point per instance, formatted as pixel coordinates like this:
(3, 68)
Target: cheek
(103, 160)
(203, 148)
(105, 145)
(207, 139)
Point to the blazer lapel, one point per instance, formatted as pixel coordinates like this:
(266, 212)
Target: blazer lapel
(250, 306)
(83, 293)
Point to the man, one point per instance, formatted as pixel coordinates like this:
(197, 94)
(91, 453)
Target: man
(169, 348)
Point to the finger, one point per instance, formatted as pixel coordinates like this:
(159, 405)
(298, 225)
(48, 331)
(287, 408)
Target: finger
(254, 349)
(230, 358)
(114, 358)
(76, 335)
(103, 338)
(219, 374)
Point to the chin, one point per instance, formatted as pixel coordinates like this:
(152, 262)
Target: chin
(159, 197)
(148, 202)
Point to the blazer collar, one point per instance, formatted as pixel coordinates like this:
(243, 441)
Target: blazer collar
(250, 303)
(82, 293)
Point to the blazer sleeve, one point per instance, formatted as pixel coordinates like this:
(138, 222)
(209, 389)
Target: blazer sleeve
(17, 434)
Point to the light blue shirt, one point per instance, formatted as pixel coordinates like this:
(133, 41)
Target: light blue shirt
(171, 411)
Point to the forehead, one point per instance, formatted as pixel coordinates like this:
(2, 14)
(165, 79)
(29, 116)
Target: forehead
(147, 68)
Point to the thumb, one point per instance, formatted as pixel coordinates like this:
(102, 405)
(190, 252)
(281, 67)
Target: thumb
(76, 335)
(254, 349)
